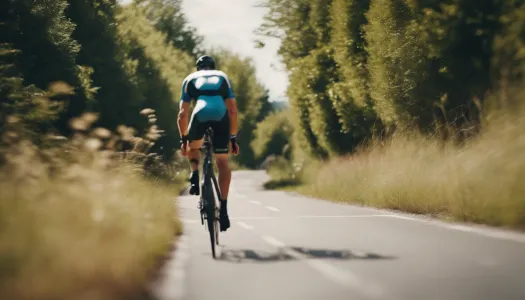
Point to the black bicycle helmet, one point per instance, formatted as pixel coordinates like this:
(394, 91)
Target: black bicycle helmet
(205, 62)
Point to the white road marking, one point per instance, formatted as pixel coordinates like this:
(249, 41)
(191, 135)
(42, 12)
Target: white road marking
(255, 202)
(487, 232)
(232, 219)
(245, 226)
(347, 279)
(237, 195)
(273, 241)
(272, 208)
(347, 216)
(493, 233)
(292, 217)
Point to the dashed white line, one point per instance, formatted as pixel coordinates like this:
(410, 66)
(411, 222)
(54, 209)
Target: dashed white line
(344, 217)
(273, 241)
(255, 202)
(245, 226)
(293, 217)
(272, 208)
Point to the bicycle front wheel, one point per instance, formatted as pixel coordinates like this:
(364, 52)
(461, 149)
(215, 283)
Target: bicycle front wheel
(207, 192)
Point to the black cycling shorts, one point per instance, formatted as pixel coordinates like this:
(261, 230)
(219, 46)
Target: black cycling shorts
(221, 133)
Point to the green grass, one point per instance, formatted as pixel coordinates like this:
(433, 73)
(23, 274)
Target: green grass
(96, 236)
(481, 182)
(78, 222)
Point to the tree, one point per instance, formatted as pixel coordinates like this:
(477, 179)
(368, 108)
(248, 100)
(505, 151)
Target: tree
(159, 72)
(167, 17)
(272, 135)
(39, 50)
(118, 100)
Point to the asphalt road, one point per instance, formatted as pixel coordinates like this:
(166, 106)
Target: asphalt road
(286, 246)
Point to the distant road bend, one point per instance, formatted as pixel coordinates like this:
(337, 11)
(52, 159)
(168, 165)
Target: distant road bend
(286, 246)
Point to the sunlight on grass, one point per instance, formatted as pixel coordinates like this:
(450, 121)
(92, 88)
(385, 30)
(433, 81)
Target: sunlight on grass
(480, 182)
(80, 220)
(94, 238)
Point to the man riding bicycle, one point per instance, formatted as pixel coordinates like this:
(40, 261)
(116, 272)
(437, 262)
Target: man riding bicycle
(215, 108)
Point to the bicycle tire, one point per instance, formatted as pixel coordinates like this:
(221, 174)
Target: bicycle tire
(217, 210)
(210, 212)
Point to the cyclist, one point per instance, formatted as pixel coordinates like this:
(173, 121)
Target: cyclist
(215, 107)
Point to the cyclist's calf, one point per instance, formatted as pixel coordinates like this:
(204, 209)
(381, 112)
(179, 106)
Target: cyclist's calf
(224, 174)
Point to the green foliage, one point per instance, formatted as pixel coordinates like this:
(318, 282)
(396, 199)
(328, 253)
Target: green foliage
(348, 17)
(508, 61)
(303, 135)
(320, 71)
(358, 66)
(117, 97)
(157, 75)
(288, 20)
(168, 18)
(135, 68)
(266, 107)
(36, 49)
(398, 66)
(323, 103)
(460, 40)
(272, 135)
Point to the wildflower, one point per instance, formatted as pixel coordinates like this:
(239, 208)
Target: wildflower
(61, 88)
(90, 117)
(13, 119)
(147, 111)
(125, 132)
(93, 144)
(78, 124)
(102, 133)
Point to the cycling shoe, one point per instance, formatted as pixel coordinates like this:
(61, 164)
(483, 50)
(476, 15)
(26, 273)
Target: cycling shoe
(194, 183)
(224, 220)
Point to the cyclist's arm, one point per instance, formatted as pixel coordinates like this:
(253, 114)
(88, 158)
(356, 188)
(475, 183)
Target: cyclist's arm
(182, 120)
(231, 105)
(184, 108)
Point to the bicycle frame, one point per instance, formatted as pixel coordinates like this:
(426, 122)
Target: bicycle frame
(208, 164)
(210, 210)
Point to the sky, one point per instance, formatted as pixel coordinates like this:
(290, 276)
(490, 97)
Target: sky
(230, 24)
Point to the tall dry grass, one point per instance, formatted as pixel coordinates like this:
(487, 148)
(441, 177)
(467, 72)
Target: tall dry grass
(80, 219)
(481, 181)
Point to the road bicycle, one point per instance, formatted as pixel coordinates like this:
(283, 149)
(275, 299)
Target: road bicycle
(209, 208)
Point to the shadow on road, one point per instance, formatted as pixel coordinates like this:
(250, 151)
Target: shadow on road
(280, 184)
(248, 255)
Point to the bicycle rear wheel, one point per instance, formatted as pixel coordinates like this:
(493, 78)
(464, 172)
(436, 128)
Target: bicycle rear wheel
(209, 202)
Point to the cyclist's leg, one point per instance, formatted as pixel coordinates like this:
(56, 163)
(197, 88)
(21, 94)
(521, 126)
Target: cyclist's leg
(196, 136)
(221, 142)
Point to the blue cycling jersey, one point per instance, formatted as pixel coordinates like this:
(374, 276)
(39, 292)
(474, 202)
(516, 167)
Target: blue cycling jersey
(210, 89)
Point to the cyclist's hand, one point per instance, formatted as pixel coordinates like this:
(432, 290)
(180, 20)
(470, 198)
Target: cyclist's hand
(235, 146)
(235, 149)
(184, 147)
